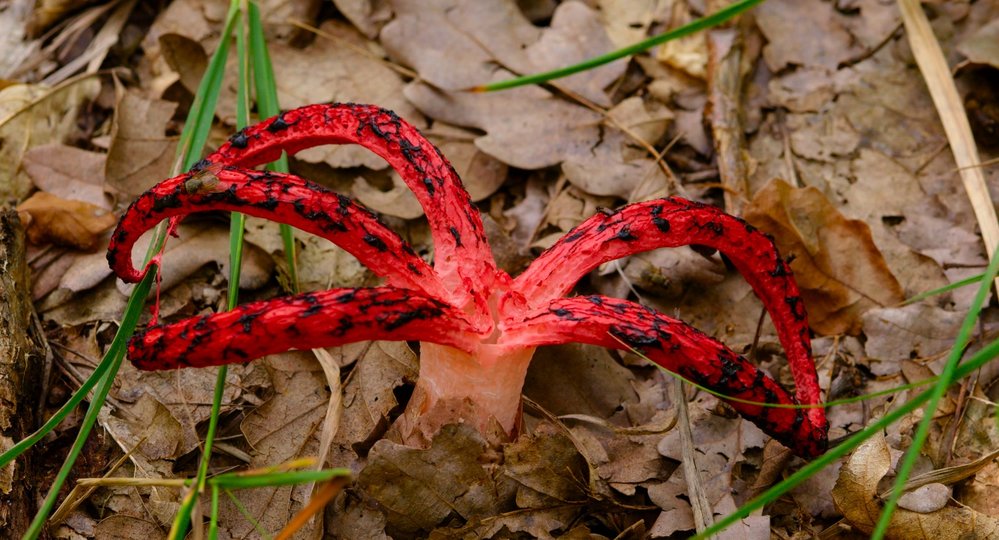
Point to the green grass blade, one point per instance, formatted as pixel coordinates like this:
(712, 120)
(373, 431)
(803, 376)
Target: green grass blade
(267, 106)
(946, 378)
(703, 23)
(946, 288)
(286, 478)
(213, 524)
(211, 85)
(247, 515)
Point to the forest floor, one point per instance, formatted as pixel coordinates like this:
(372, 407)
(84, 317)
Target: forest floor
(810, 119)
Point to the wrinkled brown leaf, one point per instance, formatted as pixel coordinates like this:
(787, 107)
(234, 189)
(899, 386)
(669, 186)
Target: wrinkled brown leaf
(485, 35)
(369, 397)
(838, 288)
(417, 489)
(599, 385)
(525, 127)
(367, 15)
(53, 220)
(856, 492)
(783, 22)
(547, 468)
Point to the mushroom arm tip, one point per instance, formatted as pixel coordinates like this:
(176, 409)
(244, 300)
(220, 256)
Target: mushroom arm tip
(680, 348)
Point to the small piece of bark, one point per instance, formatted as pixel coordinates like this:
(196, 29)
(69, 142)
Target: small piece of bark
(20, 363)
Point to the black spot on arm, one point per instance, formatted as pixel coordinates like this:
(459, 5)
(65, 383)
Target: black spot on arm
(375, 242)
(625, 234)
(239, 140)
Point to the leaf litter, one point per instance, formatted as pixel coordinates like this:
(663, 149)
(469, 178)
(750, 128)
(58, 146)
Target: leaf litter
(845, 154)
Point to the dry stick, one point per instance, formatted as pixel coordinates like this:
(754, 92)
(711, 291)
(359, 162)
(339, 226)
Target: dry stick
(699, 504)
(725, 90)
(933, 65)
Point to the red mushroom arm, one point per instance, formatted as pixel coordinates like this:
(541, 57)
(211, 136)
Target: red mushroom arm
(279, 197)
(678, 347)
(676, 222)
(462, 258)
(305, 321)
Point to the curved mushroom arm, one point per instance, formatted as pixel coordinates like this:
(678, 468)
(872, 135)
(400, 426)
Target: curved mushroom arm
(462, 256)
(675, 222)
(280, 197)
(680, 348)
(305, 321)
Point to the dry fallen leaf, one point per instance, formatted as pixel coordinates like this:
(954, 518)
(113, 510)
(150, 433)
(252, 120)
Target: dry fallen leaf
(196, 246)
(140, 154)
(369, 396)
(837, 288)
(419, 488)
(34, 115)
(783, 22)
(490, 39)
(617, 165)
(283, 428)
(915, 331)
(68, 172)
(856, 496)
(52, 220)
(981, 47)
(599, 386)
(527, 128)
(546, 467)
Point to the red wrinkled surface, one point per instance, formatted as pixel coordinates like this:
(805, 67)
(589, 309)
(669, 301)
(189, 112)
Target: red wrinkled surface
(450, 303)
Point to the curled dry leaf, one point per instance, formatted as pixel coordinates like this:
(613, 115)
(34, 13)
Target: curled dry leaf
(838, 289)
(283, 428)
(53, 220)
(546, 467)
(856, 496)
(342, 69)
(367, 15)
(369, 395)
(525, 127)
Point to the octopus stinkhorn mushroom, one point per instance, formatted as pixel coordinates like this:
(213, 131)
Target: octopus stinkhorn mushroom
(477, 326)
